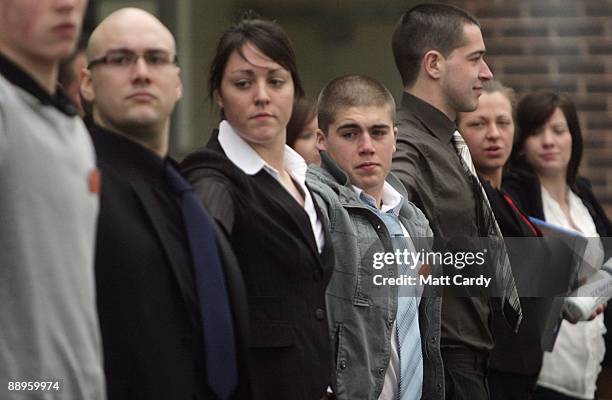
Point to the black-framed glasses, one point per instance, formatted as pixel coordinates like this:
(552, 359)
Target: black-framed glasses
(127, 58)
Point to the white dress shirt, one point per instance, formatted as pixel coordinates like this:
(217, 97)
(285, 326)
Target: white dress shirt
(244, 157)
(574, 364)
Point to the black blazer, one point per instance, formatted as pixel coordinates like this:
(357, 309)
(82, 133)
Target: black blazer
(147, 301)
(518, 353)
(285, 276)
(524, 186)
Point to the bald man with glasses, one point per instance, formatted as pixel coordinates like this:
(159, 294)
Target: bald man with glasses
(170, 296)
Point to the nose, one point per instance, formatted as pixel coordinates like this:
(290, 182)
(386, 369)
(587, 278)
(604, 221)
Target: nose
(140, 70)
(262, 96)
(366, 145)
(547, 138)
(492, 131)
(67, 5)
(485, 72)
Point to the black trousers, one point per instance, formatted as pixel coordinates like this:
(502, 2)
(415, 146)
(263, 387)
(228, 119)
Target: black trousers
(465, 374)
(511, 386)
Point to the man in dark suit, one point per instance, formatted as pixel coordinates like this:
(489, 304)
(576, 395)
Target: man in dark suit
(158, 340)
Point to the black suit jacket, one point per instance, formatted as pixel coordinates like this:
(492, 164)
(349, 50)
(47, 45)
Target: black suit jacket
(525, 186)
(520, 353)
(285, 277)
(147, 301)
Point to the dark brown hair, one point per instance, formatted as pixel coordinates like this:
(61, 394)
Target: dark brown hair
(423, 28)
(532, 112)
(267, 36)
(304, 111)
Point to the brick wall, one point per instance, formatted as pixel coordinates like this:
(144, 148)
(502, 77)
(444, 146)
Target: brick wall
(564, 45)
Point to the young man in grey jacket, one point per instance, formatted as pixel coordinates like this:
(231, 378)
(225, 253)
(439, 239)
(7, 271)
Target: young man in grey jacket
(385, 330)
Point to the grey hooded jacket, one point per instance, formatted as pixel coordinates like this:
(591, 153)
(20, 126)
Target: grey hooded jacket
(361, 314)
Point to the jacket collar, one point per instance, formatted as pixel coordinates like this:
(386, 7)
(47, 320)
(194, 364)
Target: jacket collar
(331, 174)
(20, 78)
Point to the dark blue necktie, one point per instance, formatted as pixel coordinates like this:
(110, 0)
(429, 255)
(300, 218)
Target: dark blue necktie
(217, 325)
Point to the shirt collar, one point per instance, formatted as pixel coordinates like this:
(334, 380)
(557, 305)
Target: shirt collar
(435, 120)
(392, 200)
(244, 157)
(20, 78)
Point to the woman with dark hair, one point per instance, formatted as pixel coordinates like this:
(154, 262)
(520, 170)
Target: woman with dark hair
(302, 130)
(544, 179)
(254, 186)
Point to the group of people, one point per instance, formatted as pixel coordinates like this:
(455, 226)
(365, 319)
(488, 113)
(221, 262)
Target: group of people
(246, 270)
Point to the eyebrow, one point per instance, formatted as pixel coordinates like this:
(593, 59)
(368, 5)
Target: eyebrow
(478, 53)
(251, 72)
(128, 50)
(380, 126)
(349, 125)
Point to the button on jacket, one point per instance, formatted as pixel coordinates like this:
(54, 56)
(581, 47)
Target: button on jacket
(361, 314)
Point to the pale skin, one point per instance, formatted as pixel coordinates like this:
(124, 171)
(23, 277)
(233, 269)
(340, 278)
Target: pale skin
(305, 144)
(73, 89)
(256, 95)
(134, 101)
(37, 34)
(453, 84)
(489, 132)
(362, 141)
(549, 152)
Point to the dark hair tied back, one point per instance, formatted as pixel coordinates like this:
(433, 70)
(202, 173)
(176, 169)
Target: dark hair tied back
(267, 36)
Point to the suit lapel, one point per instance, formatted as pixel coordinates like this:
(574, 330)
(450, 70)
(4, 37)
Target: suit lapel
(145, 193)
(289, 206)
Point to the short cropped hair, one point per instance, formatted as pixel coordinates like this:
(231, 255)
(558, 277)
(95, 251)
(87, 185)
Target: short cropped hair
(426, 27)
(351, 91)
(267, 36)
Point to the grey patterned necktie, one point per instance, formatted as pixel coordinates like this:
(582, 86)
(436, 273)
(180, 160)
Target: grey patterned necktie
(511, 306)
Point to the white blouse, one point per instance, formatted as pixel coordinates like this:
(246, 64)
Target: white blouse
(244, 157)
(574, 364)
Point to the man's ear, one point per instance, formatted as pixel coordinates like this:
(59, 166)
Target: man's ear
(433, 64)
(179, 85)
(86, 88)
(321, 141)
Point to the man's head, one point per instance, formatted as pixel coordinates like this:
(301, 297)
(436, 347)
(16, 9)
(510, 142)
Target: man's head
(39, 33)
(69, 77)
(356, 120)
(439, 52)
(132, 80)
